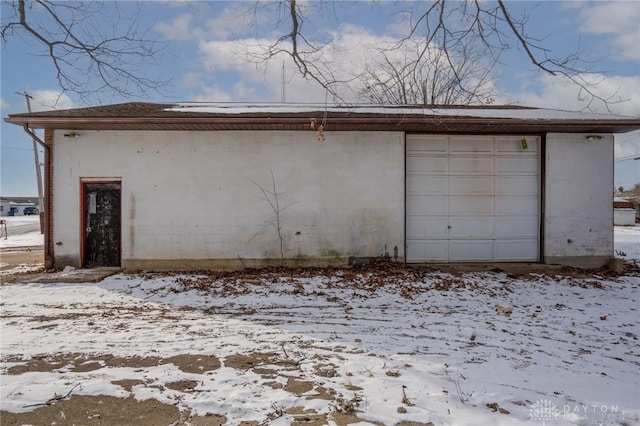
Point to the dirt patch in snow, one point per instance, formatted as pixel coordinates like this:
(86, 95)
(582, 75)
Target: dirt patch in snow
(193, 363)
(127, 384)
(20, 260)
(107, 410)
(298, 387)
(82, 363)
(70, 408)
(97, 410)
(76, 363)
(182, 385)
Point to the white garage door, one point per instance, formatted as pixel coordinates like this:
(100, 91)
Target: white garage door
(472, 198)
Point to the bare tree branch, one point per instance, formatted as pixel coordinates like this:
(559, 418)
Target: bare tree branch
(413, 74)
(272, 197)
(458, 29)
(308, 57)
(85, 61)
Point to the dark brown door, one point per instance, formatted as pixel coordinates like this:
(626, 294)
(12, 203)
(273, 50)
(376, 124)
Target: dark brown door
(102, 224)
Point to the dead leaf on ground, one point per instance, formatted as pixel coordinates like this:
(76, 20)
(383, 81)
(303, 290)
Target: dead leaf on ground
(504, 310)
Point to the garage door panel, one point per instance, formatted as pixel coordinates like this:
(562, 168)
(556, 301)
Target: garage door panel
(425, 164)
(471, 166)
(427, 144)
(517, 185)
(470, 250)
(471, 185)
(428, 227)
(511, 227)
(470, 145)
(516, 165)
(516, 205)
(470, 205)
(511, 144)
(517, 250)
(428, 205)
(427, 250)
(418, 184)
(471, 227)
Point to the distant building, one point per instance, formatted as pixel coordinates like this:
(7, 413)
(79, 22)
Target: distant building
(631, 198)
(14, 206)
(624, 213)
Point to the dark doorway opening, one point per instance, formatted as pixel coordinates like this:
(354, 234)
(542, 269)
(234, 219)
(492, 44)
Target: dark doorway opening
(101, 224)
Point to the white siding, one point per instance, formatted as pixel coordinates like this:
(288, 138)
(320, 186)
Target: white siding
(188, 195)
(578, 200)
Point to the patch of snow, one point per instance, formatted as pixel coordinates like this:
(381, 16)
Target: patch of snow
(432, 339)
(22, 269)
(16, 238)
(627, 240)
(13, 221)
(30, 239)
(512, 113)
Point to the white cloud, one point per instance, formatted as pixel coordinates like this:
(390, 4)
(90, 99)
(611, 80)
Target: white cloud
(561, 93)
(220, 55)
(229, 21)
(346, 57)
(620, 19)
(191, 80)
(213, 94)
(239, 92)
(181, 28)
(47, 99)
(232, 20)
(352, 48)
(3, 104)
(257, 82)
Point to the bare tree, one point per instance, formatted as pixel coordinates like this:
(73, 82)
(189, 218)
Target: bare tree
(93, 52)
(272, 197)
(308, 55)
(87, 48)
(411, 75)
(450, 26)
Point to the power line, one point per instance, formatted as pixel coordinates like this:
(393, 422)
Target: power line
(629, 157)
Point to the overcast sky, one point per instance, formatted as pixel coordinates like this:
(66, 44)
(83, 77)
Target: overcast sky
(203, 61)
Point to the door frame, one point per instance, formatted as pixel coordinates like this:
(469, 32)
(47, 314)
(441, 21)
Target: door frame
(83, 213)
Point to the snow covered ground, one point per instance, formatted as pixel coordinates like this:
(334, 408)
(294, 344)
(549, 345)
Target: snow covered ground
(393, 345)
(627, 241)
(388, 344)
(14, 238)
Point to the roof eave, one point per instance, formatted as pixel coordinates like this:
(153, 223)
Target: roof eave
(348, 123)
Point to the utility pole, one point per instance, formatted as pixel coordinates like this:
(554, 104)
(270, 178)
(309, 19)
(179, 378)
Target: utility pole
(27, 97)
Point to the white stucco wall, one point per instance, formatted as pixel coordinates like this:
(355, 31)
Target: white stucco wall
(186, 196)
(578, 200)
